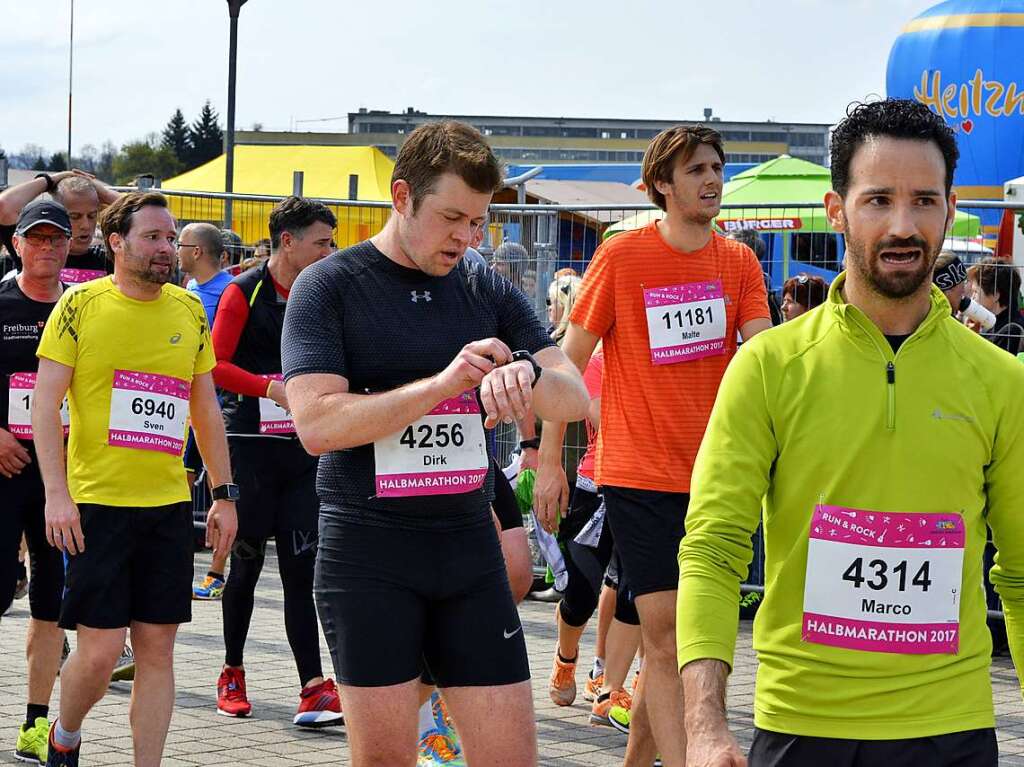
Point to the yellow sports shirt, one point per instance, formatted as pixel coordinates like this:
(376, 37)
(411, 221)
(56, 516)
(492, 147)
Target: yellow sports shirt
(133, 362)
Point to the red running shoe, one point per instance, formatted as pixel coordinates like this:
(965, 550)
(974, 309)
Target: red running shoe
(231, 698)
(319, 706)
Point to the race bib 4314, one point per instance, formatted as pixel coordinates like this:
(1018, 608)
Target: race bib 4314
(884, 581)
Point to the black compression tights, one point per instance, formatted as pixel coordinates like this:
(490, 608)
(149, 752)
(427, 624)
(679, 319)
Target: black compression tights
(296, 555)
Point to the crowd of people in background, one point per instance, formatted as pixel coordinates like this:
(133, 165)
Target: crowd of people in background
(290, 355)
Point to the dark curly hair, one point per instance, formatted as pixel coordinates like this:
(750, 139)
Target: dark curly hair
(294, 215)
(895, 118)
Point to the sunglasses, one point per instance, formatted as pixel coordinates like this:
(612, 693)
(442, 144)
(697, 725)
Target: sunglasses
(46, 239)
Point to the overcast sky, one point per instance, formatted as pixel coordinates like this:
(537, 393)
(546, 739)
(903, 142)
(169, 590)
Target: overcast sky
(135, 61)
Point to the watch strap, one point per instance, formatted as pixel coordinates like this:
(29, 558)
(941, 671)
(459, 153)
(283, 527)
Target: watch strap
(51, 187)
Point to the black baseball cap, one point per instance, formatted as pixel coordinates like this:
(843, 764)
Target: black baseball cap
(43, 212)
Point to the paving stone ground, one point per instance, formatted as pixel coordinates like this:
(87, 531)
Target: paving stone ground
(199, 737)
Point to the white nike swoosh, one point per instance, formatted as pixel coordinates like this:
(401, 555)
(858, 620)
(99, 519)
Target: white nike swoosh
(509, 636)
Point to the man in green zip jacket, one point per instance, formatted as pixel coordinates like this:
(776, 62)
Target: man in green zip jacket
(882, 436)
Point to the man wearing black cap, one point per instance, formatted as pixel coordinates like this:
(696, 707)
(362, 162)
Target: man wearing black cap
(82, 195)
(41, 239)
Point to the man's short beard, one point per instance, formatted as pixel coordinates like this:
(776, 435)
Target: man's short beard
(145, 274)
(892, 286)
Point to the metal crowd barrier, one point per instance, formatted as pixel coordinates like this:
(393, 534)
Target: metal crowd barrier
(531, 244)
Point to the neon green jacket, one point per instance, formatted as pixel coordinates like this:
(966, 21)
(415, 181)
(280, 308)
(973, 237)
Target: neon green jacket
(820, 410)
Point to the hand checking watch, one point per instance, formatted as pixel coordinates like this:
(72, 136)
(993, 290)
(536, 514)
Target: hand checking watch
(525, 355)
(227, 492)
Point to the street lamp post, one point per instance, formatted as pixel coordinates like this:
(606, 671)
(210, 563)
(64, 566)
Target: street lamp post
(234, 7)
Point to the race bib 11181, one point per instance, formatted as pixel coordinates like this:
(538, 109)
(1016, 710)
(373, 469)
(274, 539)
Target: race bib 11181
(685, 322)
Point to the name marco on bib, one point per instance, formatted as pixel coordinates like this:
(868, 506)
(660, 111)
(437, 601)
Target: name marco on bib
(884, 581)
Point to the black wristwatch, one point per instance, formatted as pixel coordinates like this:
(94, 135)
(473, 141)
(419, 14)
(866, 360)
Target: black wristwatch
(227, 492)
(51, 187)
(530, 443)
(522, 354)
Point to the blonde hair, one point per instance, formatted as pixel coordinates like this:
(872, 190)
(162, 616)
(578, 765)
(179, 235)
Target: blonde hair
(563, 291)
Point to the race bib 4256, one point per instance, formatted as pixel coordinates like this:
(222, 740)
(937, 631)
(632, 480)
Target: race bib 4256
(441, 453)
(884, 581)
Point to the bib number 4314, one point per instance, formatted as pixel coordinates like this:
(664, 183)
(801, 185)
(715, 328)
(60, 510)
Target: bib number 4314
(884, 581)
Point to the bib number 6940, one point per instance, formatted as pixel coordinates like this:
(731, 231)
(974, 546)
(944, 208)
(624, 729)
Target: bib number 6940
(149, 407)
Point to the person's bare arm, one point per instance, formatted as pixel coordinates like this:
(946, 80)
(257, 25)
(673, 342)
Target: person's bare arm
(751, 328)
(708, 740)
(328, 417)
(63, 526)
(16, 197)
(222, 519)
(560, 393)
(551, 488)
(106, 195)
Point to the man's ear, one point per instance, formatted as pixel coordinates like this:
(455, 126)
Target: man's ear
(116, 242)
(834, 211)
(401, 197)
(951, 213)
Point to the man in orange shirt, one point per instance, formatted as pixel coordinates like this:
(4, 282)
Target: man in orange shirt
(667, 301)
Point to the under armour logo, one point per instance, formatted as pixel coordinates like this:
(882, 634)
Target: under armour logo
(175, 338)
(425, 295)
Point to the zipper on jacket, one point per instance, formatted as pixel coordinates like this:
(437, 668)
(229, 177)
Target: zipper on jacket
(890, 379)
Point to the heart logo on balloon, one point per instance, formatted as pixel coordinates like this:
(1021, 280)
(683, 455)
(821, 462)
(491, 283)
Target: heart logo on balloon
(967, 125)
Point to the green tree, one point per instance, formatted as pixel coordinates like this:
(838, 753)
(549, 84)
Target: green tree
(57, 162)
(139, 157)
(104, 165)
(205, 136)
(39, 164)
(175, 137)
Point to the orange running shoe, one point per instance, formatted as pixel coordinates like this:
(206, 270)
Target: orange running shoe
(562, 685)
(603, 705)
(593, 687)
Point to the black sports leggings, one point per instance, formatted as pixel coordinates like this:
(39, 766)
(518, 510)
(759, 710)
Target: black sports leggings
(296, 557)
(585, 566)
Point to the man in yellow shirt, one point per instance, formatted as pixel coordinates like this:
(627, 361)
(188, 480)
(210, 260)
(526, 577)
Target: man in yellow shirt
(133, 353)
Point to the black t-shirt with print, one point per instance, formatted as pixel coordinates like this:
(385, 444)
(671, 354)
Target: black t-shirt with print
(21, 326)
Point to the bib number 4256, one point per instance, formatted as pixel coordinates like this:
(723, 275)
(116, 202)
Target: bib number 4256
(426, 436)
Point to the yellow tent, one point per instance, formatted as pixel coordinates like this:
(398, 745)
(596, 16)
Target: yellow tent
(267, 170)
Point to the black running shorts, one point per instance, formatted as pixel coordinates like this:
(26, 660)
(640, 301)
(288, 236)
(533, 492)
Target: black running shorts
(391, 600)
(647, 526)
(277, 486)
(137, 566)
(23, 511)
(972, 748)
